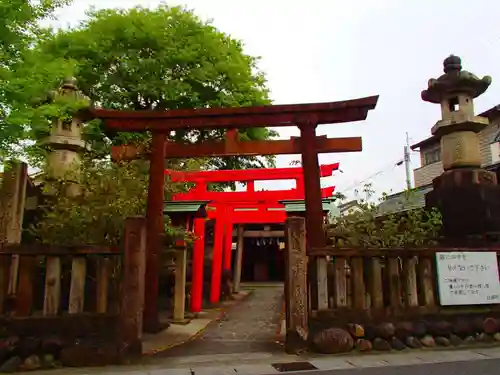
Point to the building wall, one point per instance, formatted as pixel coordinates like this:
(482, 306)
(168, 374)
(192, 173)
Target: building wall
(424, 175)
(489, 150)
(486, 146)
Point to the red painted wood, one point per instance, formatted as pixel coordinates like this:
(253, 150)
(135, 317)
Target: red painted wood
(228, 242)
(245, 196)
(217, 253)
(245, 175)
(263, 116)
(197, 267)
(154, 231)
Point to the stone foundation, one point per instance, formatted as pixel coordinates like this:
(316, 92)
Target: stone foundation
(469, 202)
(429, 332)
(49, 342)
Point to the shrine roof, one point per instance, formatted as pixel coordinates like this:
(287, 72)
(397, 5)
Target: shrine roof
(300, 205)
(185, 207)
(259, 116)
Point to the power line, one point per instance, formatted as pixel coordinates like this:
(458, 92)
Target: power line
(390, 166)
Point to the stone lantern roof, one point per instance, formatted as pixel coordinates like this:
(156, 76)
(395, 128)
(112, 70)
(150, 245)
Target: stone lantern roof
(454, 81)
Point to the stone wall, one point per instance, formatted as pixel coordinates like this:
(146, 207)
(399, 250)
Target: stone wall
(33, 343)
(330, 337)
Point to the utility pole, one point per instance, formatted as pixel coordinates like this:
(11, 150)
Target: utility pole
(407, 163)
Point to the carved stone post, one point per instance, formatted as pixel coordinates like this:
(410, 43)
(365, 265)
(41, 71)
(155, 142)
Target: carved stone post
(132, 294)
(296, 290)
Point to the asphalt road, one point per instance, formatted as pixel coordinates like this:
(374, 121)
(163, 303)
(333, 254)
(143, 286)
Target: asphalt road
(480, 367)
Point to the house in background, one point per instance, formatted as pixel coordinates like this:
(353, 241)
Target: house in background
(430, 151)
(431, 166)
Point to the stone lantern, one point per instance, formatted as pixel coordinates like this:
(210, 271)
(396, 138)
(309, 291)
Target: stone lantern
(467, 195)
(65, 141)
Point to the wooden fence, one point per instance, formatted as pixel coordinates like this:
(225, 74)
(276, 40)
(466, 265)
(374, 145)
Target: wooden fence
(75, 292)
(363, 285)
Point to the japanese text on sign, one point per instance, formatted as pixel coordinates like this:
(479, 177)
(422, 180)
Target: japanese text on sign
(468, 278)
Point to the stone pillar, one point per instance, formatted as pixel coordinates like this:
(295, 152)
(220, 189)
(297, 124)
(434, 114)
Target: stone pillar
(296, 290)
(65, 141)
(239, 260)
(467, 196)
(180, 286)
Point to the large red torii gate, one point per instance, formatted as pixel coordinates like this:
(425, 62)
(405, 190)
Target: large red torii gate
(160, 123)
(223, 208)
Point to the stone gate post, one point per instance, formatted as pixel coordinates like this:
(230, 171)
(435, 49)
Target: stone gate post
(296, 290)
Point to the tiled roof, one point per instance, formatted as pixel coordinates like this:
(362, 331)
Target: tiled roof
(404, 201)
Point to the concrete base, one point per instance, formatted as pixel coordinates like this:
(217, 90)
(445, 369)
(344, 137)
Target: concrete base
(181, 322)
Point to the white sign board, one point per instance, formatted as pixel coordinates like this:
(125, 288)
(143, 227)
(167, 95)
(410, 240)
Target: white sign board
(468, 278)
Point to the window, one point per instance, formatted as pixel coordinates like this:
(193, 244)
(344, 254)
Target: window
(453, 104)
(432, 156)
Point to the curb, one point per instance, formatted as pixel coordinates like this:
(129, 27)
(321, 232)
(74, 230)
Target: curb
(222, 311)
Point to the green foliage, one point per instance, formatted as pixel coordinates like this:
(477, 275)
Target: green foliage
(367, 228)
(160, 59)
(19, 25)
(23, 75)
(110, 193)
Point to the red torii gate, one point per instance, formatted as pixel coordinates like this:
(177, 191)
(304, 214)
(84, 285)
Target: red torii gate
(224, 210)
(160, 123)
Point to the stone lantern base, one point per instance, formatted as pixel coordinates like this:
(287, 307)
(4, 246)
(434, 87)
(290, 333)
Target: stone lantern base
(469, 201)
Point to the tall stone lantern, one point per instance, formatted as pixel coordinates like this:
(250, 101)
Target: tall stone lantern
(65, 141)
(467, 195)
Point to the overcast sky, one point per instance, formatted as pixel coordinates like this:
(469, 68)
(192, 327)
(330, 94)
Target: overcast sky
(329, 50)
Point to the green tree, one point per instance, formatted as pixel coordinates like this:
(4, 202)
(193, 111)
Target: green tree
(110, 193)
(160, 59)
(19, 82)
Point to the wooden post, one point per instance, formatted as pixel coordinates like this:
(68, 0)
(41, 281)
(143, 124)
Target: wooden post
(358, 283)
(425, 278)
(375, 284)
(4, 279)
(155, 229)
(198, 263)
(180, 285)
(297, 324)
(410, 274)
(102, 285)
(217, 259)
(77, 287)
(314, 212)
(12, 201)
(133, 283)
(239, 260)
(340, 282)
(394, 281)
(24, 295)
(52, 298)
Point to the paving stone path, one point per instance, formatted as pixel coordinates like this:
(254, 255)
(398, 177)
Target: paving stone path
(249, 326)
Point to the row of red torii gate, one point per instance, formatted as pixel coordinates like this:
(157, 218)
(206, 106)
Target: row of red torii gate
(233, 210)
